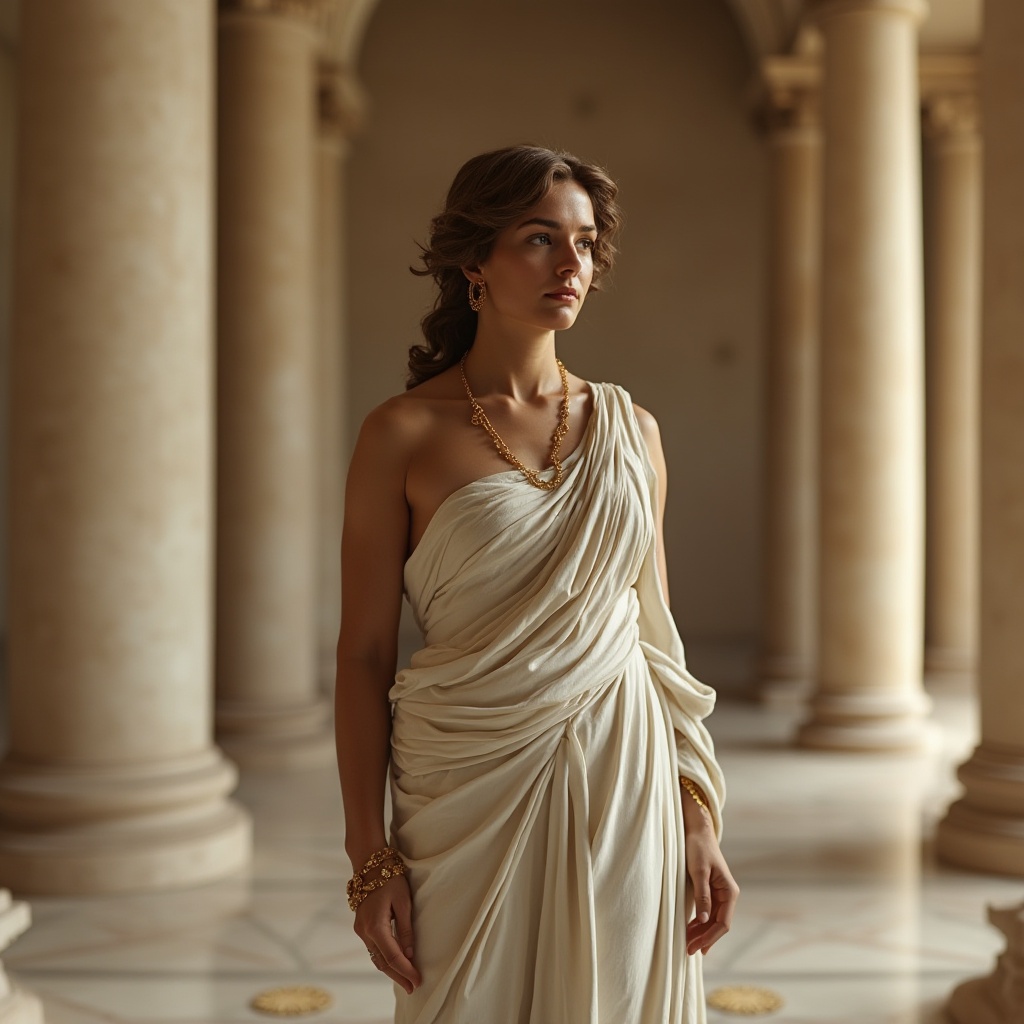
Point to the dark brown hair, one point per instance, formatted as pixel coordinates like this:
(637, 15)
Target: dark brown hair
(489, 193)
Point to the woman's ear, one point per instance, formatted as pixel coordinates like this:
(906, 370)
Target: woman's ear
(473, 274)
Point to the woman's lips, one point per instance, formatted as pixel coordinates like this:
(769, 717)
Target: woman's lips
(564, 295)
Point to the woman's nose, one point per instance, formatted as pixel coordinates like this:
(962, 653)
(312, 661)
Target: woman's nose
(570, 260)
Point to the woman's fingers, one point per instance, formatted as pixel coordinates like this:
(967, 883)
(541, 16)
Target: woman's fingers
(395, 942)
(402, 916)
(704, 937)
(389, 943)
(702, 905)
(702, 924)
(725, 893)
(379, 961)
(715, 895)
(395, 964)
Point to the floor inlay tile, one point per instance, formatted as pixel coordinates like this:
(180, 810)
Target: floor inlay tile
(747, 1000)
(291, 1001)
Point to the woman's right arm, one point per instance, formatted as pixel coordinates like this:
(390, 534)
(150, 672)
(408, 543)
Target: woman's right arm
(373, 549)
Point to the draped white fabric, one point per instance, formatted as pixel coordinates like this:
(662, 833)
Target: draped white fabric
(537, 739)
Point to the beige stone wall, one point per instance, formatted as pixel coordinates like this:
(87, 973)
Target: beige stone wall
(658, 93)
(7, 97)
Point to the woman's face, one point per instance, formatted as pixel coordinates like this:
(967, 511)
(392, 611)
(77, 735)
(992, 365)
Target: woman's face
(541, 266)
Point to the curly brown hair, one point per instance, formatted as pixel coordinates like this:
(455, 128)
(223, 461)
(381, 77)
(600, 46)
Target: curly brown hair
(490, 192)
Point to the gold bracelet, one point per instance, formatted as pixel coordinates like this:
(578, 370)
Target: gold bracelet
(359, 886)
(694, 790)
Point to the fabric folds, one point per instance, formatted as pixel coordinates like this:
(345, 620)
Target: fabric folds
(537, 738)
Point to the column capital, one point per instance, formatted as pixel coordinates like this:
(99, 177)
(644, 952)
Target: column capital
(950, 116)
(821, 11)
(317, 13)
(788, 94)
(949, 96)
(340, 100)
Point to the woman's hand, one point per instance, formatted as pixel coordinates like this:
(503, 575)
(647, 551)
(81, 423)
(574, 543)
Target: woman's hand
(390, 947)
(714, 889)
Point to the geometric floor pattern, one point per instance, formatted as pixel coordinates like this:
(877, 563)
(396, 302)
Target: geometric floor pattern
(844, 910)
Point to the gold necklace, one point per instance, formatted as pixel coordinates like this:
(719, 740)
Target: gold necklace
(479, 419)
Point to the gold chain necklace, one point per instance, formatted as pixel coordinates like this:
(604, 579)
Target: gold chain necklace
(479, 419)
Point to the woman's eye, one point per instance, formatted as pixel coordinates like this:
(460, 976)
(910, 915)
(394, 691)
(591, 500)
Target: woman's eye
(540, 240)
(588, 243)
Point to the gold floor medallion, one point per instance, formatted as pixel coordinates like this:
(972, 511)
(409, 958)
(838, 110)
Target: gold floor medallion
(291, 1001)
(745, 999)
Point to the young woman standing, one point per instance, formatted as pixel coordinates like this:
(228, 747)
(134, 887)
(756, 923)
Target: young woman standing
(553, 853)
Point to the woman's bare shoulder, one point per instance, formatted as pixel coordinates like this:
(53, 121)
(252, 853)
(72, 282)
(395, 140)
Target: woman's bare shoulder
(648, 424)
(651, 434)
(444, 385)
(402, 420)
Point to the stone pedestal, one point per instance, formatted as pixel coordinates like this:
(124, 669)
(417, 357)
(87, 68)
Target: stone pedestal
(999, 998)
(952, 330)
(270, 710)
(985, 828)
(16, 1005)
(789, 528)
(111, 781)
(869, 694)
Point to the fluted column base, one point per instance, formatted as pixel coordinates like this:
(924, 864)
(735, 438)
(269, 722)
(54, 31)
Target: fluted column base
(984, 829)
(999, 998)
(78, 830)
(274, 737)
(867, 721)
(16, 1005)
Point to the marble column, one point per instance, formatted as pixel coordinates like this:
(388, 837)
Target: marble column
(339, 105)
(869, 694)
(984, 829)
(16, 1005)
(790, 394)
(111, 781)
(952, 331)
(270, 711)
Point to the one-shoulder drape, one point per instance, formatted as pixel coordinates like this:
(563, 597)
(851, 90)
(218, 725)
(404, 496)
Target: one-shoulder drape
(537, 738)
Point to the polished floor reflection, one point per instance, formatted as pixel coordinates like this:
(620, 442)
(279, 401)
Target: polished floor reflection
(844, 910)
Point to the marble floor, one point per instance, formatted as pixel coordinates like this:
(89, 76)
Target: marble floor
(845, 911)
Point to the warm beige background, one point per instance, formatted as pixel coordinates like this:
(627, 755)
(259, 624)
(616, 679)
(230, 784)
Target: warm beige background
(7, 77)
(657, 92)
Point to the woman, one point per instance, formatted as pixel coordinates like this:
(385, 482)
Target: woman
(553, 789)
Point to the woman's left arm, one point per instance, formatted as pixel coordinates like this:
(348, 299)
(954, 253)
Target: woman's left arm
(715, 891)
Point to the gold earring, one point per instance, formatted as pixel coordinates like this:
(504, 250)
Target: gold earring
(477, 294)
